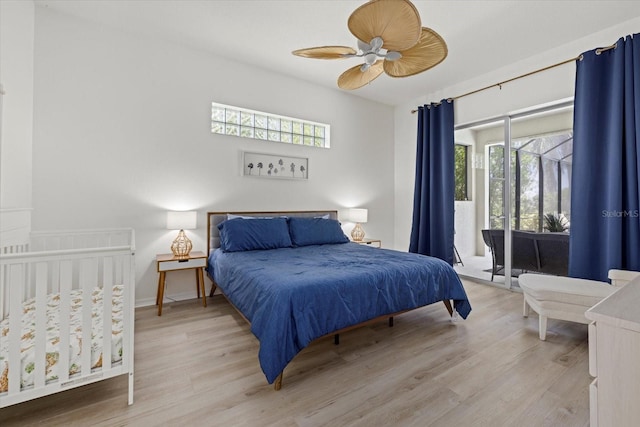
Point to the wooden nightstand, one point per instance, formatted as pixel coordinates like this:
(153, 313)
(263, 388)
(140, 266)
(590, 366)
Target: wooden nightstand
(369, 242)
(168, 262)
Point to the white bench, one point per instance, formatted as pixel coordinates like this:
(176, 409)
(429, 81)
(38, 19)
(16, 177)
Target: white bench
(566, 298)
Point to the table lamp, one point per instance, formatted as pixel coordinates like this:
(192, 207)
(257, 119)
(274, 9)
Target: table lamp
(358, 216)
(183, 220)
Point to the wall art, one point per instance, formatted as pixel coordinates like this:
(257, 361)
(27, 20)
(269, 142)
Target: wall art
(274, 166)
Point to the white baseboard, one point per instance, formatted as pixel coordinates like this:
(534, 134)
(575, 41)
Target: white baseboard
(145, 302)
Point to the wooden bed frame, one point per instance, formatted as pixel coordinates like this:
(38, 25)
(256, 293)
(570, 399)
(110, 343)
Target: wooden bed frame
(213, 242)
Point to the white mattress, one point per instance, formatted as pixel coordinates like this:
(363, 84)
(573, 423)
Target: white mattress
(27, 345)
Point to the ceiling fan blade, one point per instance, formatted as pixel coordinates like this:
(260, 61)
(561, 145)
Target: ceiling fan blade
(397, 22)
(429, 52)
(326, 52)
(355, 78)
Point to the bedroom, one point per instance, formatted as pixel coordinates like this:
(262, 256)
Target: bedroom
(116, 90)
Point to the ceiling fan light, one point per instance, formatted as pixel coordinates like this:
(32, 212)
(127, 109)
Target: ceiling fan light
(364, 47)
(376, 43)
(370, 58)
(393, 56)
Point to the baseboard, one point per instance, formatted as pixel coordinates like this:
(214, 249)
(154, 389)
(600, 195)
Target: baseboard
(145, 302)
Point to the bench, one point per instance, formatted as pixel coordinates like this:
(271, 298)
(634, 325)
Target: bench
(566, 298)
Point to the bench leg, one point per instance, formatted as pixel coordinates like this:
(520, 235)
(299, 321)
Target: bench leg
(543, 327)
(525, 307)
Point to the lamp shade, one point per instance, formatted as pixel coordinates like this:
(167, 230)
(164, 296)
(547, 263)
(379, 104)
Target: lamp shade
(181, 220)
(357, 215)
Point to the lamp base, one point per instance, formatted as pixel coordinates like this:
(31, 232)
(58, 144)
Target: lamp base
(181, 246)
(357, 234)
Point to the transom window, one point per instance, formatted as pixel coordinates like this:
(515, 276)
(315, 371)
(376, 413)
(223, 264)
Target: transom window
(236, 121)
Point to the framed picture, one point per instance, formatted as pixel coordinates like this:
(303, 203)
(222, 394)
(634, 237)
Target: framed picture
(274, 166)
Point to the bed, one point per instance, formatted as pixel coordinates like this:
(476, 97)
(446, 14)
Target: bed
(317, 283)
(66, 311)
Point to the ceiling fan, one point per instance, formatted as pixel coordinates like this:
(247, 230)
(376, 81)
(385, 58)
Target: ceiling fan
(390, 39)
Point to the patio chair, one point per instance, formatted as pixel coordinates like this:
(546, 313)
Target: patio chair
(494, 239)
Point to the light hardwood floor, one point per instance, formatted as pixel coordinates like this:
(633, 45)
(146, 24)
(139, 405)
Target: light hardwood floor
(198, 366)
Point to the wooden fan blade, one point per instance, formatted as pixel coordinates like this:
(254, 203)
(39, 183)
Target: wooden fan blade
(325, 52)
(397, 22)
(354, 78)
(429, 52)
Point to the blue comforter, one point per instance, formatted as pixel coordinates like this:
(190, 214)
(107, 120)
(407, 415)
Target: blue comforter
(292, 296)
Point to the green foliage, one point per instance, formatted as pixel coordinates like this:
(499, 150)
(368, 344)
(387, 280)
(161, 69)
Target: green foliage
(555, 223)
(460, 172)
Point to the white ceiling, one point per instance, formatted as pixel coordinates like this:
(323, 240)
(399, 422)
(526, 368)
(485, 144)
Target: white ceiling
(481, 35)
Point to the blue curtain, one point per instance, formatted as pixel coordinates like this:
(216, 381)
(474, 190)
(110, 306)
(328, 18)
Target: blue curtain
(605, 210)
(432, 228)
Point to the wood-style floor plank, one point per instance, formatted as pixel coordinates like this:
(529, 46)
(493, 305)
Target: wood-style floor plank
(199, 366)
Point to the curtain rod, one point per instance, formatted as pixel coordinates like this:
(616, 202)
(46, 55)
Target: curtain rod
(598, 52)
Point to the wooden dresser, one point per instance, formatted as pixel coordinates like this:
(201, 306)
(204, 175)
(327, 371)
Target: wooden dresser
(614, 358)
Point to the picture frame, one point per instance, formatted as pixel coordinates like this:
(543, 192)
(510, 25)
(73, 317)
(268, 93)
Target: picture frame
(274, 166)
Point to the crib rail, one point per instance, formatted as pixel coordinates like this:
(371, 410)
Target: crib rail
(14, 249)
(80, 239)
(60, 267)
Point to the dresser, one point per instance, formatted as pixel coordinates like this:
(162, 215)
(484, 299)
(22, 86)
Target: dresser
(614, 358)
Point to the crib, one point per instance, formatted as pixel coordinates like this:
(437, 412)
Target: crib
(80, 282)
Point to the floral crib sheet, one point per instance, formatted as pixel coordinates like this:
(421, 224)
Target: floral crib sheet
(27, 345)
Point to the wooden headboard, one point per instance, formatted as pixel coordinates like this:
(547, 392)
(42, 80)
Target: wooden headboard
(215, 218)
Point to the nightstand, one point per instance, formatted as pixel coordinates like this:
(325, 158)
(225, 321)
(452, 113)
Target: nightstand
(168, 262)
(369, 242)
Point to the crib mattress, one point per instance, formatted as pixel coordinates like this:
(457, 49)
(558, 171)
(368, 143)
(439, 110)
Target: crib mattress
(27, 345)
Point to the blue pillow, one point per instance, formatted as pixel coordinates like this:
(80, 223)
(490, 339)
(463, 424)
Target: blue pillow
(315, 231)
(248, 235)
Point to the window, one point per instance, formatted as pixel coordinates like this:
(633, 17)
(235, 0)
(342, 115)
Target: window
(496, 186)
(460, 172)
(540, 180)
(229, 120)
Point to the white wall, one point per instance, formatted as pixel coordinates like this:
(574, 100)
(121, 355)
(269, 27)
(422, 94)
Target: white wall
(122, 134)
(16, 105)
(538, 89)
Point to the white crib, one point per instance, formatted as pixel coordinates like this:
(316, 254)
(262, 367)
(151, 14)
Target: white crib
(55, 277)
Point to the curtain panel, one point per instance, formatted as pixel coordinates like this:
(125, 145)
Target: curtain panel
(432, 229)
(605, 209)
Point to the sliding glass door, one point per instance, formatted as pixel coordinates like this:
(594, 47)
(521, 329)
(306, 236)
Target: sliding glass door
(517, 196)
(472, 212)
